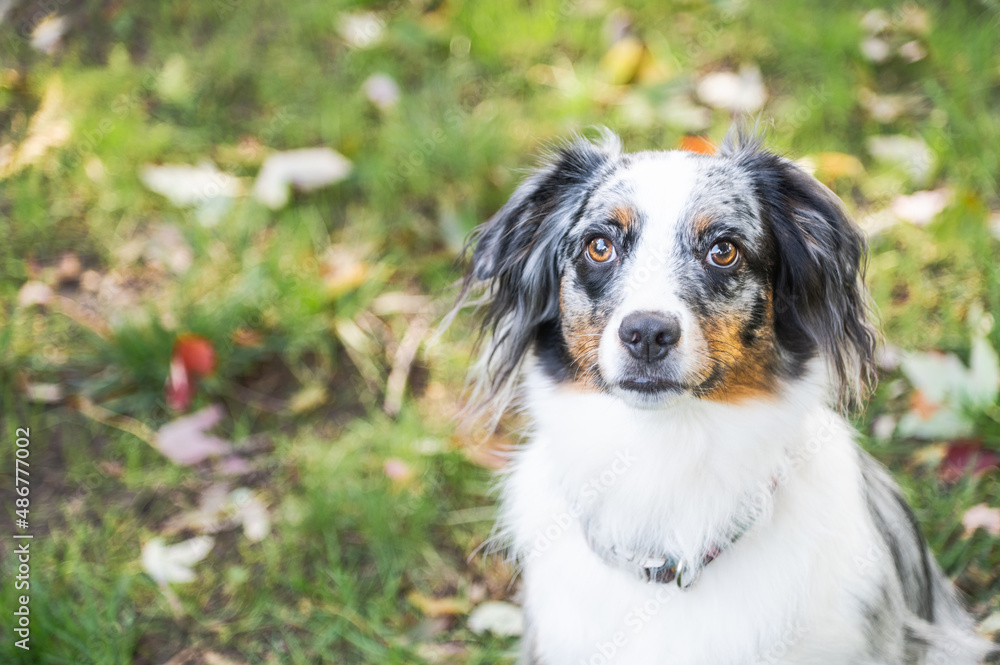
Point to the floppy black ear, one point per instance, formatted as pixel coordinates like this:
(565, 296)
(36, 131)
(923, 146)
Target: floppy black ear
(516, 256)
(820, 299)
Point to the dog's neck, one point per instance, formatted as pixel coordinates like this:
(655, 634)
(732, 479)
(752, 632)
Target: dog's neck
(679, 479)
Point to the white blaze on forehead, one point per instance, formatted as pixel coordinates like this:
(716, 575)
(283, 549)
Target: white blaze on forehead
(660, 188)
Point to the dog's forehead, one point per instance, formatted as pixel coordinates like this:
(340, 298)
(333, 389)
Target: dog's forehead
(666, 189)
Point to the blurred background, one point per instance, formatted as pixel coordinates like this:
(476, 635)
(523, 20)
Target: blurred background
(229, 230)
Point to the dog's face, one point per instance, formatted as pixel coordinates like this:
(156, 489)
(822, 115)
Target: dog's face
(665, 283)
(659, 274)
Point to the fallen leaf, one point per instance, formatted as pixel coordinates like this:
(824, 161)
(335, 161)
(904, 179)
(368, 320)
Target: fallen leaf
(434, 607)
(69, 267)
(922, 406)
(44, 393)
(964, 457)
(990, 625)
(49, 128)
(699, 144)
(875, 50)
(937, 375)
(930, 456)
(305, 169)
(186, 185)
(831, 166)
(48, 34)
(739, 93)
(921, 208)
(208, 517)
(174, 82)
(219, 509)
(234, 466)
(883, 426)
(90, 281)
(910, 154)
(947, 390)
(397, 470)
(34, 293)
(252, 514)
(342, 269)
(197, 353)
(887, 108)
(308, 398)
(362, 30)
(443, 653)
(184, 440)
(621, 63)
(497, 617)
(983, 387)
(382, 91)
(888, 357)
(205, 188)
(168, 564)
(179, 389)
(981, 516)
(912, 51)
(876, 21)
(193, 356)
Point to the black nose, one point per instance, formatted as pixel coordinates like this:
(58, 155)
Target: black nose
(648, 336)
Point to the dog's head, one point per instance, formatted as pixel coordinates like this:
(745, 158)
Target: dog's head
(658, 274)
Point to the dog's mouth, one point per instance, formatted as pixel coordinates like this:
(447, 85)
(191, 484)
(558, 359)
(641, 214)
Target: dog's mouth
(652, 386)
(648, 386)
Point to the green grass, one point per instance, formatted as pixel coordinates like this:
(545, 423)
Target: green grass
(352, 553)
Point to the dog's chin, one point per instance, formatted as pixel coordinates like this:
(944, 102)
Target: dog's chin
(649, 393)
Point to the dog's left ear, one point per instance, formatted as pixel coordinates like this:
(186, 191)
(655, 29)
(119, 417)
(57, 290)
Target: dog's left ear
(516, 256)
(821, 302)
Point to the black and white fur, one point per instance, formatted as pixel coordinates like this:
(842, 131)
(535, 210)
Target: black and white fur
(733, 432)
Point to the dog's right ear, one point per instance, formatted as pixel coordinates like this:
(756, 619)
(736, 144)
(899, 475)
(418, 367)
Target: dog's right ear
(516, 256)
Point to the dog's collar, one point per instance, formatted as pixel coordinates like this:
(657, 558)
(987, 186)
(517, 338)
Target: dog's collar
(667, 568)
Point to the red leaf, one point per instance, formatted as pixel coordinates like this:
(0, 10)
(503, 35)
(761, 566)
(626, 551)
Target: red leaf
(197, 353)
(966, 456)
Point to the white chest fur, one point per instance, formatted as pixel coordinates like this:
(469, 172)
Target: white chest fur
(674, 480)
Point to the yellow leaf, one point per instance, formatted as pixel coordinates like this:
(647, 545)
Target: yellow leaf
(308, 398)
(832, 166)
(436, 607)
(621, 63)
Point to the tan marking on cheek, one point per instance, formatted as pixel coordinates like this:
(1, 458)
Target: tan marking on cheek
(748, 371)
(624, 216)
(583, 337)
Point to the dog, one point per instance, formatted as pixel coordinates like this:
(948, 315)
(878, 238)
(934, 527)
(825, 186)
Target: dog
(684, 333)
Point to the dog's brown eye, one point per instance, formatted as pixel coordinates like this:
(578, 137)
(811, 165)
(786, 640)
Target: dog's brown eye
(723, 254)
(601, 250)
